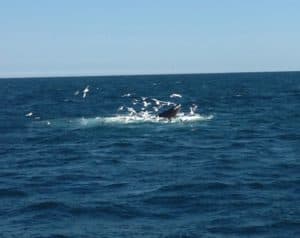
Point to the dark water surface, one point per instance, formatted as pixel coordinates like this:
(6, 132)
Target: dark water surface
(77, 167)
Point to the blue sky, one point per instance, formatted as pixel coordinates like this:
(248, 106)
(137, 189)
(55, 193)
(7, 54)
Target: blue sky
(70, 37)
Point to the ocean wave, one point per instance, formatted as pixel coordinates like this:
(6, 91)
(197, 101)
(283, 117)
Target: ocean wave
(45, 205)
(12, 193)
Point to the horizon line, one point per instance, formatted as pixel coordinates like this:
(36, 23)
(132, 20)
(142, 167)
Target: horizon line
(143, 74)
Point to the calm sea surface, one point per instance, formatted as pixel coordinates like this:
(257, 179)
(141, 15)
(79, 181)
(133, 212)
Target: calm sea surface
(87, 156)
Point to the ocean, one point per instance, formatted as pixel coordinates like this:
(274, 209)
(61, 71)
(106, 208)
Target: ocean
(88, 156)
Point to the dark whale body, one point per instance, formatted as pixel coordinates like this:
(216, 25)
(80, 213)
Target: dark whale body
(170, 113)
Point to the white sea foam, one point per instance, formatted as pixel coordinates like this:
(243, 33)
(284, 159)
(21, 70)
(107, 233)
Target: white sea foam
(119, 120)
(143, 117)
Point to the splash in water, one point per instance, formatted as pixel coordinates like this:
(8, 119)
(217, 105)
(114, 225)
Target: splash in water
(138, 110)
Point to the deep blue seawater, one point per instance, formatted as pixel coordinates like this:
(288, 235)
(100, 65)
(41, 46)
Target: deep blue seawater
(72, 166)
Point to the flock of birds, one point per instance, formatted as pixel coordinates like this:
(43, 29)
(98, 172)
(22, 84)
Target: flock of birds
(156, 104)
(143, 102)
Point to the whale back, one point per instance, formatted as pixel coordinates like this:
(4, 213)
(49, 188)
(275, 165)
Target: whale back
(170, 113)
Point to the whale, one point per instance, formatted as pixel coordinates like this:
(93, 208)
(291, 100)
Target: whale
(171, 112)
